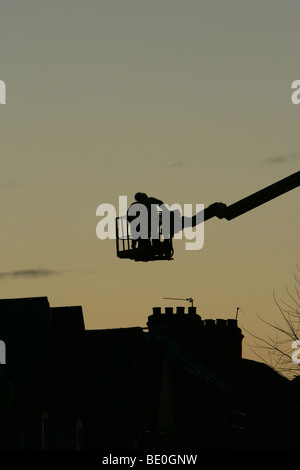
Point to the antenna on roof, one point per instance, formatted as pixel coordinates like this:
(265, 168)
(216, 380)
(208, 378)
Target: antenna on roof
(237, 311)
(189, 299)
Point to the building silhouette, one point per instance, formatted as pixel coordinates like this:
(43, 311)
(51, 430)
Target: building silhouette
(182, 383)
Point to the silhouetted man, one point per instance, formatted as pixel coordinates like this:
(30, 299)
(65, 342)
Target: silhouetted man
(144, 200)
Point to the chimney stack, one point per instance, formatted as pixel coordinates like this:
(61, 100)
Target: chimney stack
(198, 336)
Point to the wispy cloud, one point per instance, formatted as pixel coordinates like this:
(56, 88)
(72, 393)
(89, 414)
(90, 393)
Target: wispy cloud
(35, 273)
(276, 159)
(174, 164)
(9, 185)
(29, 273)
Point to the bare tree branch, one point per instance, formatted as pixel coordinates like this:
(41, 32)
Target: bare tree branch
(277, 351)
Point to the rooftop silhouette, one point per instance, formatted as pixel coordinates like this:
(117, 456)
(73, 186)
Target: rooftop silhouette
(179, 383)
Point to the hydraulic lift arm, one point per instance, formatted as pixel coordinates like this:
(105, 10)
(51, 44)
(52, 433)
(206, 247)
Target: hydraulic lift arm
(163, 250)
(222, 211)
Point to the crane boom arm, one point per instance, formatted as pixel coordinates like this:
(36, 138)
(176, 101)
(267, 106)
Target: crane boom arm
(222, 211)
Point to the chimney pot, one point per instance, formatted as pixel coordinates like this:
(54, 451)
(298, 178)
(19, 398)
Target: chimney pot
(231, 322)
(192, 310)
(169, 310)
(156, 310)
(180, 310)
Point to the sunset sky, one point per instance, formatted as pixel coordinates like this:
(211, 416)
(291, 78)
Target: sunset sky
(188, 101)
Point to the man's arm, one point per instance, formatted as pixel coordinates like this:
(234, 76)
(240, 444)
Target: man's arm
(153, 200)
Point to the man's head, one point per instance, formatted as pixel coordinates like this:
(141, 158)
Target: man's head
(140, 196)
